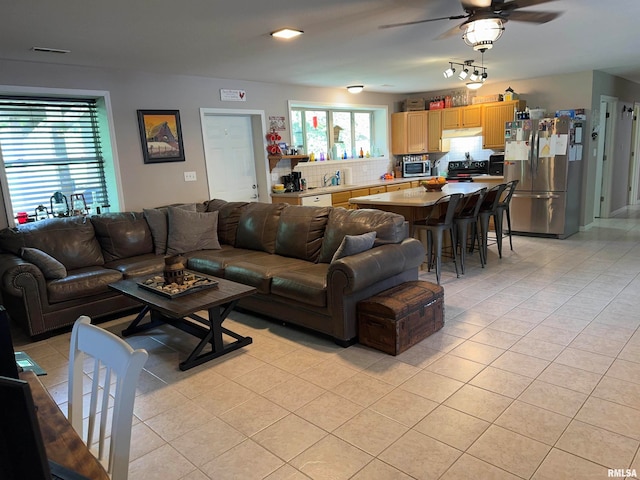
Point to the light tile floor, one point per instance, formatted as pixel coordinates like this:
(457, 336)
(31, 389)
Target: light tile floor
(535, 375)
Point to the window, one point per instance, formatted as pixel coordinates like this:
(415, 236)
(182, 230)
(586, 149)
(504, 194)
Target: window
(337, 131)
(51, 145)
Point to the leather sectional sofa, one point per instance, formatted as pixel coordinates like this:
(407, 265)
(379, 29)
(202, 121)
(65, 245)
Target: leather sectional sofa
(287, 252)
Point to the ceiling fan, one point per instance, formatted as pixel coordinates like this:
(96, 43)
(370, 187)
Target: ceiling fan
(484, 20)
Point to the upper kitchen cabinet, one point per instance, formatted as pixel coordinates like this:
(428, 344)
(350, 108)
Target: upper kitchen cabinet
(462, 117)
(434, 132)
(409, 132)
(495, 116)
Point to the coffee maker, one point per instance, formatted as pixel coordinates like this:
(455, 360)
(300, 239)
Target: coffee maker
(296, 177)
(287, 180)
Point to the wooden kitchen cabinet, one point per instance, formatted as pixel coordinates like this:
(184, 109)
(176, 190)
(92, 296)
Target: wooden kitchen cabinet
(495, 115)
(398, 186)
(434, 132)
(409, 132)
(462, 117)
(380, 189)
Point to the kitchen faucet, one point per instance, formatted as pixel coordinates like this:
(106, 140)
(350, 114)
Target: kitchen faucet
(326, 180)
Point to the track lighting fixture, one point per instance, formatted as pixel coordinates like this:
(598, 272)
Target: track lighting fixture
(476, 77)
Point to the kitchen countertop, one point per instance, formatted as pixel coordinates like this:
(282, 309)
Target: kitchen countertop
(418, 197)
(341, 188)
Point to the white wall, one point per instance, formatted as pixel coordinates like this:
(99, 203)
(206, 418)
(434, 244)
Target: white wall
(148, 185)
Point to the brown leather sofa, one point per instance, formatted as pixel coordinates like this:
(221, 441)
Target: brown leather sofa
(284, 251)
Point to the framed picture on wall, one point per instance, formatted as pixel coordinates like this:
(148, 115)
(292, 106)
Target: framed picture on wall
(161, 136)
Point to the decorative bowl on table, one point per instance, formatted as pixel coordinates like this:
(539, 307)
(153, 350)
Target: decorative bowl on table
(434, 184)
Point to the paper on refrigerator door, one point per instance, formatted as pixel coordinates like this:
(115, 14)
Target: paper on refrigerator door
(516, 151)
(560, 143)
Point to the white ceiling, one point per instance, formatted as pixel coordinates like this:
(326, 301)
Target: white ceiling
(342, 44)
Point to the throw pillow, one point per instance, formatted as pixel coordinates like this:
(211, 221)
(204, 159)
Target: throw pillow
(51, 268)
(353, 244)
(191, 231)
(157, 220)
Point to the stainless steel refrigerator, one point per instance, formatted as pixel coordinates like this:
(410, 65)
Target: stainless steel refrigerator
(545, 155)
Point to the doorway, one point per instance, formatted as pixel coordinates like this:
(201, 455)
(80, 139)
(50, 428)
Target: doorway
(601, 202)
(235, 154)
(634, 169)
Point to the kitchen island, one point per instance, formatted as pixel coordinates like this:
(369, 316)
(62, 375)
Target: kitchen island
(414, 203)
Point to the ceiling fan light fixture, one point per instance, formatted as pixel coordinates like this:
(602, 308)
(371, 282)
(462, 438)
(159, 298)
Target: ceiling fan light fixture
(474, 85)
(286, 33)
(355, 88)
(481, 34)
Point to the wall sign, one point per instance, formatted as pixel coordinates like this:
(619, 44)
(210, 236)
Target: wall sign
(228, 95)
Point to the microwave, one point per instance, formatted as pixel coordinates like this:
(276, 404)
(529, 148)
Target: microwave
(421, 168)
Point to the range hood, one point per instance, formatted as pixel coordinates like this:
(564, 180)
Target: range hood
(462, 132)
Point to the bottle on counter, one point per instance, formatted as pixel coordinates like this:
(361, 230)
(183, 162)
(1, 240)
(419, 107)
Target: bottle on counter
(361, 153)
(338, 177)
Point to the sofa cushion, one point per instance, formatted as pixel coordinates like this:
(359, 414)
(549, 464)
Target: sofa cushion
(70, 240)
(257, 226)
(157, 220)
(190, 231)
(389, 228)
(122, 235)
(354, 244)
(82, 283)
(50, 267)
(307, 285)
(257, 271)
(228, 217)
(213, 262)
(300, 232)
(214, 204)
(140, 265)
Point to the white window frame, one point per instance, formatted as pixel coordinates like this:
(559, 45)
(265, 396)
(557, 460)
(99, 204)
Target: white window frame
(379, 121)
(106, 125)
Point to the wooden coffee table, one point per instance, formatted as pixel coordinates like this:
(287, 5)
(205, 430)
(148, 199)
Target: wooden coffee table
(180, 312)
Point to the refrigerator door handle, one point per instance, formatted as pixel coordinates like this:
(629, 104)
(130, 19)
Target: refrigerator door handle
(535, 195)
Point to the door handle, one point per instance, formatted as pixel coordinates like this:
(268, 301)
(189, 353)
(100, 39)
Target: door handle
(536, 196)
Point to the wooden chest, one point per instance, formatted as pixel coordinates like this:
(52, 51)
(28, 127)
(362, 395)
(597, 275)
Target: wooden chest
(400, 317)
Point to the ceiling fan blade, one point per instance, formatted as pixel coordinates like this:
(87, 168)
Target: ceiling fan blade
(533, 17)
(392, 25)
(524, 3)
(475, 4)
(452, 32)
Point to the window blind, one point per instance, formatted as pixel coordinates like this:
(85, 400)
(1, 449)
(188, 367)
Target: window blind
(51, 145)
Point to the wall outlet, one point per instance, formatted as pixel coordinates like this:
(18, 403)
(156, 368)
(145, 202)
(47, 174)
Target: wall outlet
(190, 176)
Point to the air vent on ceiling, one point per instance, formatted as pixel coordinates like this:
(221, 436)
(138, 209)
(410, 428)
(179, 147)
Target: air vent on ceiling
(49, 50)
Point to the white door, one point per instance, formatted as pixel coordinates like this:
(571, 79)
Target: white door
(229, 156)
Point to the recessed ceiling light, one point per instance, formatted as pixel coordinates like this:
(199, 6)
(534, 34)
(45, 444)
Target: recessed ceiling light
(49, 50)
(286, 33)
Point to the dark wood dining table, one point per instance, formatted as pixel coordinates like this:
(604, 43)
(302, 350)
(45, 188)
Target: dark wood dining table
(61, 442)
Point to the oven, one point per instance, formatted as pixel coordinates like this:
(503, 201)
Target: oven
(464, 171)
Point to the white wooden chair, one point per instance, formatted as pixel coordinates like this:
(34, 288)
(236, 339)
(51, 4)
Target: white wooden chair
(113, 355)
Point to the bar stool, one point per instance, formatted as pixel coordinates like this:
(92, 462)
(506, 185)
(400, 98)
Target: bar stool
(503, 207)
(487, 210)
(468, 217)
(435, 225)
